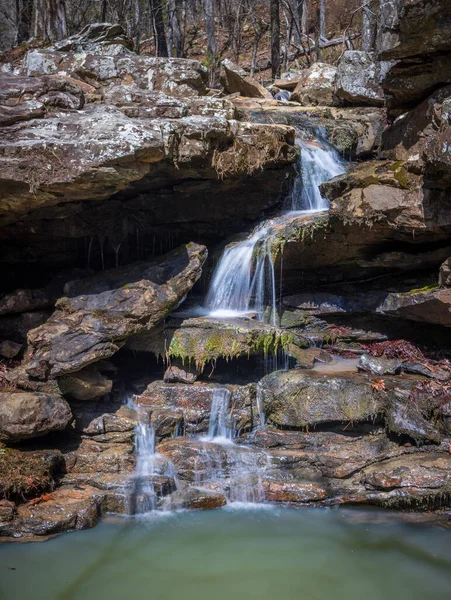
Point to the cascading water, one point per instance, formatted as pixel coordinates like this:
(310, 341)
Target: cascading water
(149, 465)
(233, 469)
(244, 280)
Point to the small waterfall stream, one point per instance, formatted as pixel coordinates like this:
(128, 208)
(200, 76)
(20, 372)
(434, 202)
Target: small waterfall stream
(244, 281)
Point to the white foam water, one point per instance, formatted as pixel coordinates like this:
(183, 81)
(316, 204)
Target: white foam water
(244, 280)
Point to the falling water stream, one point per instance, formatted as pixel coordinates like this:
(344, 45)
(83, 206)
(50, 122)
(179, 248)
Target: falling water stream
(244, 280)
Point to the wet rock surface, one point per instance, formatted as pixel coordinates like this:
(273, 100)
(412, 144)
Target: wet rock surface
(110, 160)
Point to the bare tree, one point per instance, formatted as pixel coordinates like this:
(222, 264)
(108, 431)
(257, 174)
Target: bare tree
(274, 8)
(49, 20)
(211, 31)
(175, 38)
(368, 25)
(156, 12)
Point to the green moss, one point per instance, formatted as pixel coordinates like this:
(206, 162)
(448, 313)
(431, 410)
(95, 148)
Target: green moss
(426, 288)
(201, 346)
(402, 178)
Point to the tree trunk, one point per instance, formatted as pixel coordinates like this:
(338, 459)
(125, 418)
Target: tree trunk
(322, 19)
(368, 26)
(156, 12)
(49, 20)
(137, 26)
(304, 18)
(175, 42)
(103, 11)
(275, 38)
(210, 23)
(24, 10)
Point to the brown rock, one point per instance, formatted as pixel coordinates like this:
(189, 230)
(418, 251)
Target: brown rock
(86, 384)
(174, 374)
(25, 415)
(234, 79)
(62, 346)
(9, 349)
(316, 86)
(195, 499)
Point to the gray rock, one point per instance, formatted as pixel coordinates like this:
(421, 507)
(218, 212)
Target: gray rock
(444, 278)
(379, 365)
(316, 86)
(358, 79)
(405, 418)
(9, 349)
(235, 79)
(193, 498)
(25, 415)
(174, 374)
(89, 328)
(87, 384)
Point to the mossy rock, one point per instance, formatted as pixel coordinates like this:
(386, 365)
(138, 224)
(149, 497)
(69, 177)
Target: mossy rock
(301, 399)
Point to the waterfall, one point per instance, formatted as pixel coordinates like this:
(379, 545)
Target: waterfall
(244, 280)
(234, 470)
(220, 427)
(149, 465)
(318, 162)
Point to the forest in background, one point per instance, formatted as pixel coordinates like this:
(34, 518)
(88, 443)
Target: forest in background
(266, 37)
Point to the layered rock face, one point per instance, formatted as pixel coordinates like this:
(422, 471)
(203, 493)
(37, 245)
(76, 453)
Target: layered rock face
(118, 393)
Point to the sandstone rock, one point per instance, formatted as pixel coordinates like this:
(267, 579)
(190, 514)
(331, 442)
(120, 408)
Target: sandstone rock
(234, 79)
(67, 508)
(193, 498)
(188, 407)
(201, 340)
(332, 454)
(25, 415)
(174, 374)
(444, 279)
(306, 358)
(410, 28)
(96, 37)
(177, 77)
(415, 35)
(316, 86)
(299, 492)
(61, 346)
(379, 365)
(299, 399)
(405, 418)
(358, 79)
(9, 349)
(424, 306)
(99, 457)
(25, 98)
(86, 384)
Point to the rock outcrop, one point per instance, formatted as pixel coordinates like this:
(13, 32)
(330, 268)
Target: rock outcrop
(358, 79)
(25, 415)
(85, 329)
(316, 86)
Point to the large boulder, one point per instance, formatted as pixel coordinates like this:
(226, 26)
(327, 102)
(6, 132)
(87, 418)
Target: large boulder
(415, 34)
(177, 77)
(358, 79)
(187, 407)
(87, 384)
(316, 86)
(201, 340)
(234, 80)
(300, 399)
(25, 415)
(427, 306)
(88, 328)
(25, 98)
